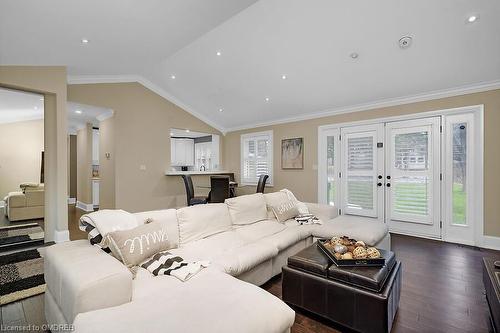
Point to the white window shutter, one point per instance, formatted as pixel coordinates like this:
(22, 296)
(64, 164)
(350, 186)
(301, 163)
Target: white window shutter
(256, 159)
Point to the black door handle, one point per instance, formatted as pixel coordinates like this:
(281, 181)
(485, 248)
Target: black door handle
(388, 177)
(379, 176)
(379, 184)
(388, 184)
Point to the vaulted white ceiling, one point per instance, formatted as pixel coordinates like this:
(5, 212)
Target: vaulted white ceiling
(309, 41)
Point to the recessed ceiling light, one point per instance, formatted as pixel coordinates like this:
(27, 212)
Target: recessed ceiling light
(219, 53)
(221, 109)
(267, 99)
(78, 111)
(283, 77)
(172, 77)
(354, 55)
(472, 18)
(85, 41)
(405, 42)
(187, 131)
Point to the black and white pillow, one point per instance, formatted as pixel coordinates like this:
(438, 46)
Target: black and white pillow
(166, 263)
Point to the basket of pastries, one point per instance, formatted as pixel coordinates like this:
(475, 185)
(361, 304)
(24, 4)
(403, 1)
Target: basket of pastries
(345, 251)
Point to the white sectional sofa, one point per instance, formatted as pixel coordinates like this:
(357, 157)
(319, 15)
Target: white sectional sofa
(97, 293)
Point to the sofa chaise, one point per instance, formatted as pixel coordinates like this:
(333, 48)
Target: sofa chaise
(90, 289)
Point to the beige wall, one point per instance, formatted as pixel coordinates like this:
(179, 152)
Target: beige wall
(50, 81)
(21, 146)
(84, 164)
(142, 121)
(305, 184)
(107, 165)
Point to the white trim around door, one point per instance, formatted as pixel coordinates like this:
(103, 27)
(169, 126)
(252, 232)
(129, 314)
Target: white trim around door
(475, 183)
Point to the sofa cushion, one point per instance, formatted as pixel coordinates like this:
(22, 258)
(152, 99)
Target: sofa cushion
(16, 200)
(240, 260)
(200, 221)
(288, 237)
(209, 247)
(259, 230)
(83, 278)
(247, 209)
(134, 246)
(35, 198)
(210, 302)
(366, 229)
(168, 218)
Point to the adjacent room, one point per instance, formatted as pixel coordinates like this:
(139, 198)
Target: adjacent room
(21, 169)
(251, 166)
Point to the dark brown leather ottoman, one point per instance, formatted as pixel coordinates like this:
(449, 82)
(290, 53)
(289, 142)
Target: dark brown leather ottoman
(364, 299)
(491, 280)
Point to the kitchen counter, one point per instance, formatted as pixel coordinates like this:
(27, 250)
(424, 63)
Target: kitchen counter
(195, 173)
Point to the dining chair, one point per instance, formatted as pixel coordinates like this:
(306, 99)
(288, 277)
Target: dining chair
(261, 185)
(219, 188)
(191, 199)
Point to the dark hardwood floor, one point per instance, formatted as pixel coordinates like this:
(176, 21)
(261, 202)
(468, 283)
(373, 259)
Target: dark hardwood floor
(442, 292)
(442, 289)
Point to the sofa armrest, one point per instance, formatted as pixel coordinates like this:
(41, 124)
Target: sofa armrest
(323, 212)
(82, 278)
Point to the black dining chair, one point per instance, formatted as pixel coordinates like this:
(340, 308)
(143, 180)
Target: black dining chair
(219, 188)
(261, 185)
(191, 199)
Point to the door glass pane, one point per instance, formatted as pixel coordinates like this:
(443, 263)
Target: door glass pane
(330, 170)
(410, 195)
(459, 194)
(360, 153)
(360, 192)
(411, 151)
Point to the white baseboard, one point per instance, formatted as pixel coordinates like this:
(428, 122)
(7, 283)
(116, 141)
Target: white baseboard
(61, 236)
(490, 242)
(71, 201)
(85, 206)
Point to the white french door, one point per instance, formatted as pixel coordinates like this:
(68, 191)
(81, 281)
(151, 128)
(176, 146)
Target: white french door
(413, 177)
(423, 176)
(362, 165)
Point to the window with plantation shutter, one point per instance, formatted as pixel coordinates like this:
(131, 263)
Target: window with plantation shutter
(256, 157)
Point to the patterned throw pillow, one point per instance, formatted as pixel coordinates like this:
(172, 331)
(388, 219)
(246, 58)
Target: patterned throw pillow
(133, 246)
(285, 211)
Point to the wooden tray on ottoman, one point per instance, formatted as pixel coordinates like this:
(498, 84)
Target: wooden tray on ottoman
(379, 262)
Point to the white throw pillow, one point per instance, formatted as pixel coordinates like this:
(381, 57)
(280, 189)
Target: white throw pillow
(247, 209)
(200, 221)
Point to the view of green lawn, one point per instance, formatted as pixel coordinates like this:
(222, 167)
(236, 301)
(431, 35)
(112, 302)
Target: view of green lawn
(411, 198)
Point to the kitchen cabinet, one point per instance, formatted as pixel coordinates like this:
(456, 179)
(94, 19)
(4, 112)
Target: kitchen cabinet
(182, 152)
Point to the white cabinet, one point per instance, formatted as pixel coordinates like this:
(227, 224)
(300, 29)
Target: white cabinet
(181, 152)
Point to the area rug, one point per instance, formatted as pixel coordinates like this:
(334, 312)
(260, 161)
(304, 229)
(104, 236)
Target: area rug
(23, 235)
(21, 275)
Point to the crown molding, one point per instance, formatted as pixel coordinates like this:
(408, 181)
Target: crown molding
(92, 79)
(457, 91)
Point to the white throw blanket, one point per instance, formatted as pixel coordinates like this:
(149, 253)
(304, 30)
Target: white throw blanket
(107, 220)
(165, 263)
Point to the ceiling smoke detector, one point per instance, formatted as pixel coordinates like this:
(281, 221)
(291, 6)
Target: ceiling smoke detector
(405, 42)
